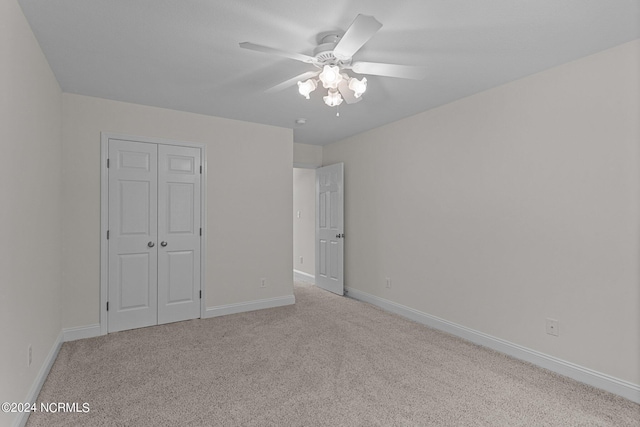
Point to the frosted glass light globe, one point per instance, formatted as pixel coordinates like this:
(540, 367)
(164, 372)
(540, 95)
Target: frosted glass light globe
(330, 76)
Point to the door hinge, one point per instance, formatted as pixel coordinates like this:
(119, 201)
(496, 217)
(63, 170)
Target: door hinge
(107, 163)
(200, 168)
(201, 231)
(107, 305)
(200, 294)
(107, 234)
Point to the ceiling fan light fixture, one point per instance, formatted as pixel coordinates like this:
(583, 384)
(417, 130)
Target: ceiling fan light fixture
(333, 98)
(306, 87)
(358, 86)
(330, 76)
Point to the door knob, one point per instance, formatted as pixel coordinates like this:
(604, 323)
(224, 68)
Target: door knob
(163, 244)
(151, 244)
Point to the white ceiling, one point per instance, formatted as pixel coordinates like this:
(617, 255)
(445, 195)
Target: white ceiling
(184, 55)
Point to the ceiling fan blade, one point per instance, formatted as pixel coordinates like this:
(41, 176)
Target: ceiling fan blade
(390, 70)
(292, 81)
(347, 94)
(266, 49)
(360, 31)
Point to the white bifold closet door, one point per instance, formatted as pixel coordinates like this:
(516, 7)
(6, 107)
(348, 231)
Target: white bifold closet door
(154, 234)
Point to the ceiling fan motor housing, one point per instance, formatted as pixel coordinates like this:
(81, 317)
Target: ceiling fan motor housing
(324, 52)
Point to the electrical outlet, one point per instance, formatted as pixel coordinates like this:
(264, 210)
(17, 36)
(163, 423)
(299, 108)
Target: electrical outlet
(388, 283)
(263, 282)
(30, 356)
(553, 328)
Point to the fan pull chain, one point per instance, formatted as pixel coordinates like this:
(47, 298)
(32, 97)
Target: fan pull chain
(337, 111)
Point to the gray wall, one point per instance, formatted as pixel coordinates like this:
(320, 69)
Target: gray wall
(508, 207)
(30, 207)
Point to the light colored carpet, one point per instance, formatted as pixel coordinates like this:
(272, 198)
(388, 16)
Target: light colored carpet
(327, 361)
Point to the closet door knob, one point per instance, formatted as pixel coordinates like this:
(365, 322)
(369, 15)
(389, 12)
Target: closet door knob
(151, 244)
(163, 244)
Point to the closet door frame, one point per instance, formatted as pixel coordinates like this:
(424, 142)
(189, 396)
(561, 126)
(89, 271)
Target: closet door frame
(104, 214)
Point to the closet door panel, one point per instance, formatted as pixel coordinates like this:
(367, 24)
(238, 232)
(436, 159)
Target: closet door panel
(179, 199)
(132, 241)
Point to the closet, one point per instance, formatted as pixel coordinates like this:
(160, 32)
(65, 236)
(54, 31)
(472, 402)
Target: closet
(154, 232)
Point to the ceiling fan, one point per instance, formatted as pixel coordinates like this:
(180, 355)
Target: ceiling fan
(333, 57)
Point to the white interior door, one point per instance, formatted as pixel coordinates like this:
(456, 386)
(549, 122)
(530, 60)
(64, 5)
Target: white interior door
(178, 233)
(133, 288)
(330, 228)
(154, 210)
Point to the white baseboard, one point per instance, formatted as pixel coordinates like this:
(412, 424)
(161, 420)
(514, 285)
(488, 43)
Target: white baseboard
(588, 376)
(301, 276)
(241, 307)
(81, 332)
(32, 395)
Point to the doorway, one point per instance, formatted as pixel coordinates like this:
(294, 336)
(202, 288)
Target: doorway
(304, 226)
(318, 226)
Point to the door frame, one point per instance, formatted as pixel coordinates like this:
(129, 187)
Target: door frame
(104, 214)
